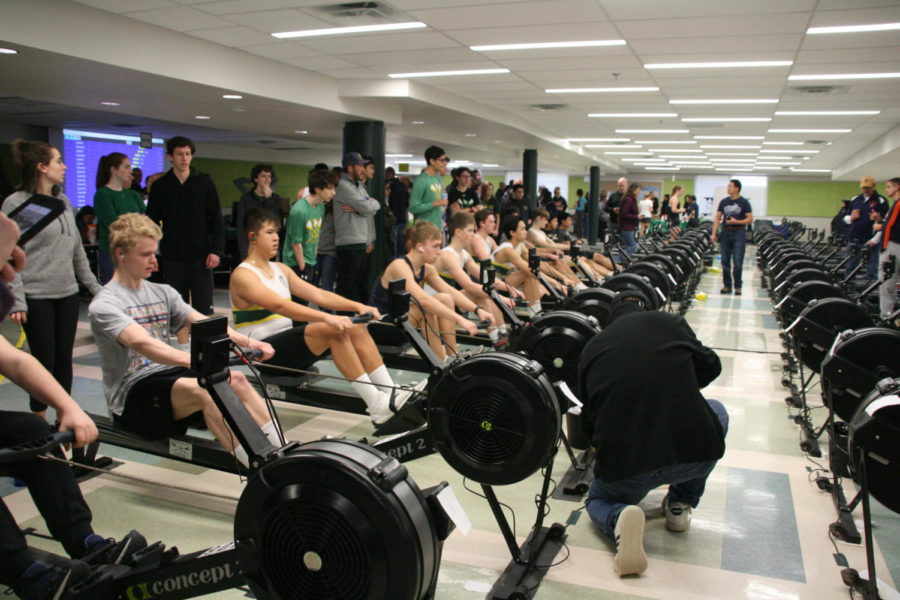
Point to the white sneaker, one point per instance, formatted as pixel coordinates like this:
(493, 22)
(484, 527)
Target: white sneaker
(678, 515)
(629, 534)
(381, 412)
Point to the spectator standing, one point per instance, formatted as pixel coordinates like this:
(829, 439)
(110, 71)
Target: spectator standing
(735, 214)
(137, 175)
(862, 206)
(890, 249)
(645, 213)
(628, 217)
(580, 213)
(46, 290)
(185, 203)
(462, 197)
(428, 199)
(558, 202)
(115, 196)
(352, 210)
(398, 202)
(612, 205)
(304, 226)
(261, 196)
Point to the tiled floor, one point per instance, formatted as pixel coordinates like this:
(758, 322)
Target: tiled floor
(759, 533)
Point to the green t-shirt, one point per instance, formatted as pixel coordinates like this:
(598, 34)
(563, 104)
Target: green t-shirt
(425, 191)
(108, 205)
(303, 227)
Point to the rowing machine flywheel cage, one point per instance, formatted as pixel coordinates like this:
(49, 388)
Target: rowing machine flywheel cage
(556, 340)
(621, 282)
(820, 323)
(875, 439)
(857, 361)
(336, 519)
(494, 417)
(593, 302)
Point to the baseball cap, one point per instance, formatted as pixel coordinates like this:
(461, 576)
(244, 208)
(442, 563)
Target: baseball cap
(867, 181)
(353, 158)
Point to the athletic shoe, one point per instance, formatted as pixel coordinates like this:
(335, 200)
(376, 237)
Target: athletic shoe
(110, 552)
(390, 403)
(725, 290)
(43, 582)
(737, 291)
(678, 515)
(629, 534)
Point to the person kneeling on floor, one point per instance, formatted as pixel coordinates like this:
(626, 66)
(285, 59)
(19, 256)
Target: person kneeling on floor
(51, 483)
(261, 293)
(148, 384)
(647, 431)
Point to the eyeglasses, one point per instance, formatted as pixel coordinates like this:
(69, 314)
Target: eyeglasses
(445, 159)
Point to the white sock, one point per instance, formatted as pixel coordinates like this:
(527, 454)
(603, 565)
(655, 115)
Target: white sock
(535, 307)
(493, 334)
(580, 286)
(271, 431)
(241, 455)
(382, 379)
(504, 329)
(368, 392)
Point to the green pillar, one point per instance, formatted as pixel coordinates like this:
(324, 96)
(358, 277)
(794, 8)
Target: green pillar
(367, 138)
(529, 176)
(593, 211)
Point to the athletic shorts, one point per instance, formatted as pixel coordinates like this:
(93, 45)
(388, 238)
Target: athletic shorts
(148, 406)
(290, 351)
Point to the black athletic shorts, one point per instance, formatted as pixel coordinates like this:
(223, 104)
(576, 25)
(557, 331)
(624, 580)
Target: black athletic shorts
(290, 351)
(148, 406)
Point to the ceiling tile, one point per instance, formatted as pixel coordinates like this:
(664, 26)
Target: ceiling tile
(125, 6)
(708, 45)
(272, 21)
(179, 18)
(322, 64)
(280, 50)
(514, 15)
(700, 27)
(523, 34)
(858, 15)
(230, 7)
(358, 44)
(667, 9)
(232, 36)
(847, 55)
(420, 57)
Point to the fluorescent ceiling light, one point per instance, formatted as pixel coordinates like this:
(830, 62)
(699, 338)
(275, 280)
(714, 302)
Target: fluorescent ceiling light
(853, 28)
(110, 103)
(831, 76)
(727, 147)
(448, 73)
(782, 144)
(398, 155)
(202, 117)
(788, 150)
(727, 119)
(418, 122)
(728, 101)
(769, 158)
(656, 163)
(655, 160)
(721, 65)
(766, 168)
(823, 113)
(612, 146)
(579, 140)
(673, 150)
(8, 51)
(775, 164)
(731, 153)
(232, 96)
(632, 115)
(664, 169)
(349, 30)
(490, 165)
(810, 130)
(301, 131)
(731, 137)
(610, 90)
(811, 170)
(653, 130)
(629, 153)
(663, 142)
(542, 45)
(732, 169)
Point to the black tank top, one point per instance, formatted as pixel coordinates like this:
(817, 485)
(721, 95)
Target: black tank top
(379, 298)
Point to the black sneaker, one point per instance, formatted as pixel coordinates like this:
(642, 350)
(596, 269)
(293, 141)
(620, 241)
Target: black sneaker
(110, 552)
(737, 291)
(43, 582)
(725, 290)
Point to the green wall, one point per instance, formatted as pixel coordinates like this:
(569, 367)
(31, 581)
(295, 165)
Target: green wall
(687, 184)
(291, 178)
(808, 199)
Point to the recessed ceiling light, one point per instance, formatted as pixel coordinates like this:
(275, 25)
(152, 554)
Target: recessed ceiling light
(728, 101)
(824, 113)
(853, 28)
(202, 117)
(301, 131)
(831, 76)
(418, 122)
(349, 30)
(448, 73)
(663, 142)
(729, 137)
(232, 97)
(810, 130)
(471, 135)
(542, 45)
(782, 144)
(727, 119)
(721, 65)
(653, 130)
(632, 115)
(579, 140)
(609, 90)
(8, 51)
(110, 103)
(727, 147)
(612, 146)
(811, 170)
(790, 151)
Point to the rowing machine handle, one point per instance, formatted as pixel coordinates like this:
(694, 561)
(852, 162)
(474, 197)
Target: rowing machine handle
(248, 356)
(36, 447)
(363, 318)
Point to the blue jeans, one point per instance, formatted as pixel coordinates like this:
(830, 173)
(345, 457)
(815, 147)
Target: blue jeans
(399, 239)
(687, 483)
(858, 251)
(733, 244)
(327, 271)
(629, 243)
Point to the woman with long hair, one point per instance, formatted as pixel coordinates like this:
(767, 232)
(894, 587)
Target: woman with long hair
(114, 197)
(46, 290)
(675, 212)
(628, 217)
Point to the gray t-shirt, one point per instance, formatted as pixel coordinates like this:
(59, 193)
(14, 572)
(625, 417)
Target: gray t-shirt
(157, 308)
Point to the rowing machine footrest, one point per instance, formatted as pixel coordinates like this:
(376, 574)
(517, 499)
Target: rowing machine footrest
(410, 416)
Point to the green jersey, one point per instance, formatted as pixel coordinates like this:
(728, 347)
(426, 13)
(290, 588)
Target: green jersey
(303, 226)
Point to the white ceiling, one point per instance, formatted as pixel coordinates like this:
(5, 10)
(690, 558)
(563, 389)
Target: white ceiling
(168, 60)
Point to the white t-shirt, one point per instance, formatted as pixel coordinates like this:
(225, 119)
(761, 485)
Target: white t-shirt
(645, 208)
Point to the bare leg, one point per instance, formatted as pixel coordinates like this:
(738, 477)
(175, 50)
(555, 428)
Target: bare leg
(365, 348)
(320, 337)
(428, 325)
(447, 326)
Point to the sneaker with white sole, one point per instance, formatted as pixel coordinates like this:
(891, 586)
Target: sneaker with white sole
(678, 515)
(629, 534)
(386, 409)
